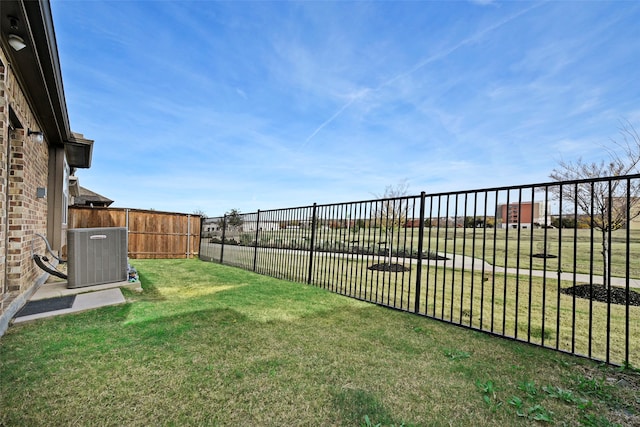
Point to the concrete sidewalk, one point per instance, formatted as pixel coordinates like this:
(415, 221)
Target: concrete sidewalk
(87, 298)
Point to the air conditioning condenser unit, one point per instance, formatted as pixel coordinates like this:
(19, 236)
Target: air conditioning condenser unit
(96, 256)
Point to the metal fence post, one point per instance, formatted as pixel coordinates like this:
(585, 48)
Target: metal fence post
(255, 246)
(188, 236)
(224, 228)
(201, 234)
(126, 224)
(416, 308)
(313, 242)
(627, 272)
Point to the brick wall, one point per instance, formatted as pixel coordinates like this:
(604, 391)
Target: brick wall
(26, 164)
(3, 176)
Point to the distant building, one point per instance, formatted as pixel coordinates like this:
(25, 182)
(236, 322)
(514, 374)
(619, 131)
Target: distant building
(248, 226)
(522, 215)
(209, 225)
(214, 225)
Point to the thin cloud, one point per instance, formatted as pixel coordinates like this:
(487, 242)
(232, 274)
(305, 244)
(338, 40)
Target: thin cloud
(441, 55)
(332, 118)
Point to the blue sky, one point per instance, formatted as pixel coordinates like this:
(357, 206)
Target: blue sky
(211, 106)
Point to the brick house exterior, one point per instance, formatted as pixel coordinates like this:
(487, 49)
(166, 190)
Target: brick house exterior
(35, 168)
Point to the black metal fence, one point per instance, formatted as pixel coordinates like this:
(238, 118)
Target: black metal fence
(553, 264)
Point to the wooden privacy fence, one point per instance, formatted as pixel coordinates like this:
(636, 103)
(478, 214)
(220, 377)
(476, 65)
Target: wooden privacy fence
(152, 234)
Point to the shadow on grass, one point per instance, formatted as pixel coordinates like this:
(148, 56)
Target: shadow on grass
(354, 405)
(150, 290)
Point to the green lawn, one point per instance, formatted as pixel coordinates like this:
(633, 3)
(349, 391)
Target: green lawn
(206, 344)
(530, 309)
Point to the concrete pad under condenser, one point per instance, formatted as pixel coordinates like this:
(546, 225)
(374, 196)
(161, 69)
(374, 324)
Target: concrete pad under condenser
(59, 289)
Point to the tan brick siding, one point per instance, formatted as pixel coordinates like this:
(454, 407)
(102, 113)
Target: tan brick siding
(3, 175)
(25, 170)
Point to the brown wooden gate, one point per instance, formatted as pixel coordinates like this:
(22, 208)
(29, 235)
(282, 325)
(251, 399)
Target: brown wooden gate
(152, 234)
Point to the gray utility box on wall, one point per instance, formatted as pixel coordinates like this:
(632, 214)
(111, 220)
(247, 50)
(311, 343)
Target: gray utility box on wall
(96, 256)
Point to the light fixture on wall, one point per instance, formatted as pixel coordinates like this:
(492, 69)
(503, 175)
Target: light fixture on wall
(16, 42)
(35, 135)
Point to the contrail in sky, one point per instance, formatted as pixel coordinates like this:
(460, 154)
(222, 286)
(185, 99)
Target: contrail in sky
(354, 98)
(420, 65)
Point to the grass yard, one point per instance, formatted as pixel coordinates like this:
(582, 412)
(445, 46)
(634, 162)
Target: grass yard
(527, 308)
(207, 344)
(531, 309)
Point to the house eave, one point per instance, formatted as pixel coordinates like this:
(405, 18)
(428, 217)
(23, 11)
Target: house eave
(38, 68)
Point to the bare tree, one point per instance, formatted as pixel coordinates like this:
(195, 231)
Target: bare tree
(609, 204)
(392, 211)
(393, 208)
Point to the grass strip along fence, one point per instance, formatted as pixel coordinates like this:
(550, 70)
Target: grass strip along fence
(553, 264)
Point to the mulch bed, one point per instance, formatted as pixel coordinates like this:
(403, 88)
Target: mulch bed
(544, 255)
(600, 293)
(388, 267)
